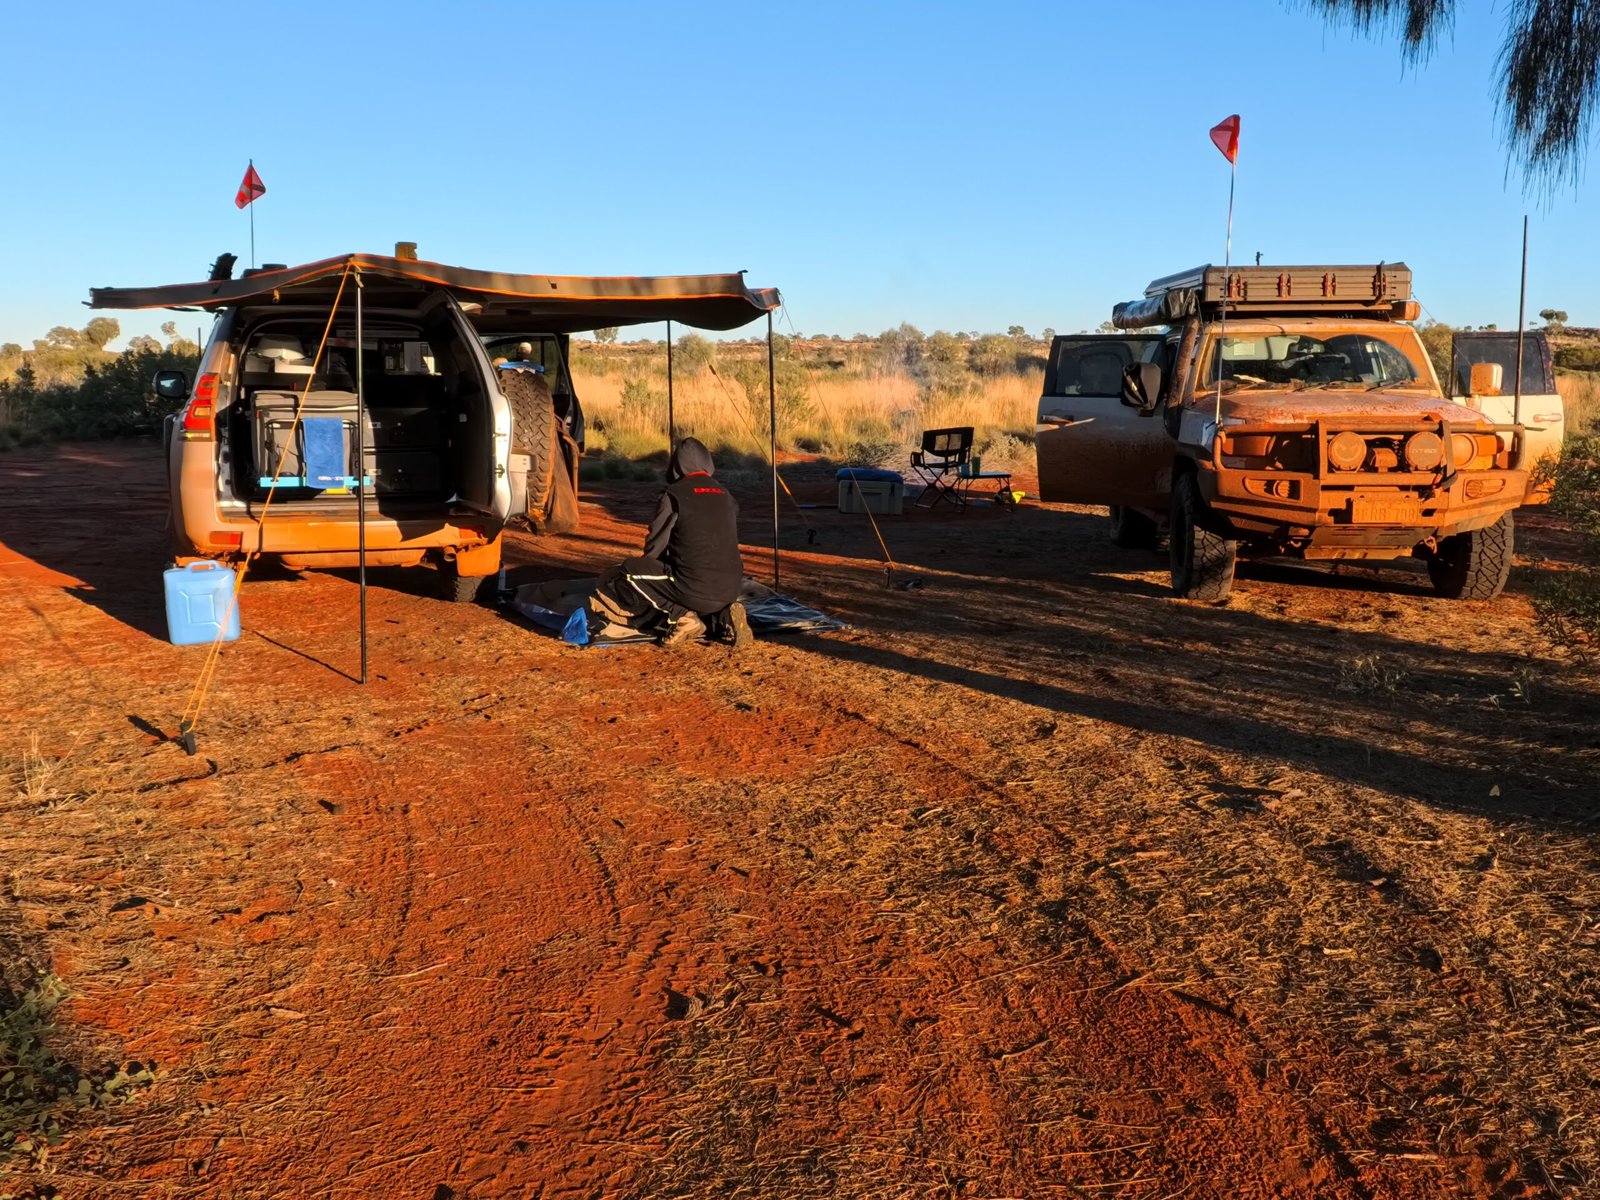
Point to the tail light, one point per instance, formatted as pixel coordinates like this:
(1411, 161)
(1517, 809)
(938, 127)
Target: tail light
(199, 419)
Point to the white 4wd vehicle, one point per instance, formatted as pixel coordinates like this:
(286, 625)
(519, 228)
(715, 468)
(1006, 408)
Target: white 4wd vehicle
(431, 403)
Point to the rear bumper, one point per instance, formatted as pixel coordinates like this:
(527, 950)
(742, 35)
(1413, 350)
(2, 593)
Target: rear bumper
(322, 534)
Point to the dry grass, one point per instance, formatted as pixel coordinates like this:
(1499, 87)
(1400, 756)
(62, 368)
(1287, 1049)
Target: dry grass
(876, 418)
(1581, 391)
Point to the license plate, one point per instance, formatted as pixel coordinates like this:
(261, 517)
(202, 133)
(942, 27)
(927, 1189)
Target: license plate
(1385, 512)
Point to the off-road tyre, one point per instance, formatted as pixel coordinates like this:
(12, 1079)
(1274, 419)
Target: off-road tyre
(1132, 530)
(535, 431)
(458, 588)
(561, 516)
(1202, 559)
(1476, 565)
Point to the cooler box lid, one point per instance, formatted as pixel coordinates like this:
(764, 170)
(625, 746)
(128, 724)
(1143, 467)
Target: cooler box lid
(869, 475)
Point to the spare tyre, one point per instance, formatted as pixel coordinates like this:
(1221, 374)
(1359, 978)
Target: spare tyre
(533, 432)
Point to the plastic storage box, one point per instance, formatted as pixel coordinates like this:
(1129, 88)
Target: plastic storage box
(871, 489)
(200, 602)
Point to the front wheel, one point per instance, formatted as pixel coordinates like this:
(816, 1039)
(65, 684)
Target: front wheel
(1202, 561)
(1476, 565)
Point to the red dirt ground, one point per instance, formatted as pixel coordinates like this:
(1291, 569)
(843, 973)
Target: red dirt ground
(1034, 882)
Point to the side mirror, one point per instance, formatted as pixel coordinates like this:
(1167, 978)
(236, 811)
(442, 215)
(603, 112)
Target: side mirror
(1486, 379)
(171, 385)
(1141, 387)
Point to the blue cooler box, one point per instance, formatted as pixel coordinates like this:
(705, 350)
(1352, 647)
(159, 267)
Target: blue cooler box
(199, 597)
(871, 489)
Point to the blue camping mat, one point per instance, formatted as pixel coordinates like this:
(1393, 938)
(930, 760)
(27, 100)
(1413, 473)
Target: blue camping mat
(559, 607)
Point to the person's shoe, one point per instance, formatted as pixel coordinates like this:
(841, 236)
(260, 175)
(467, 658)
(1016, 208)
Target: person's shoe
(739, 626)
(684, 630)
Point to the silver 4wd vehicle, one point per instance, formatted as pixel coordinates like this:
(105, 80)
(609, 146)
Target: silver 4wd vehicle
(1279, 411)
(430, 403)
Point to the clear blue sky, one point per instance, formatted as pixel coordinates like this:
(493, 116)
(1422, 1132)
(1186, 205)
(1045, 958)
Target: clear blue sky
(953, 165)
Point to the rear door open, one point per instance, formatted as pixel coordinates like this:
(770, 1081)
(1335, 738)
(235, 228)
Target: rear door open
(481, 438)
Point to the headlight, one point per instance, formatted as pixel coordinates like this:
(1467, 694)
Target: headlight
(1424, 451)
(1463, 449)
(1347, 451)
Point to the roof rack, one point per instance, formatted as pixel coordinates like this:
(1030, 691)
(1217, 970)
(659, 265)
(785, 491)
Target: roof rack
(1322, 286)
(1375, 291)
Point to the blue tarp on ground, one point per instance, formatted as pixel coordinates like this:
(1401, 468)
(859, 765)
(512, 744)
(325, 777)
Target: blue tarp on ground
(559, 607)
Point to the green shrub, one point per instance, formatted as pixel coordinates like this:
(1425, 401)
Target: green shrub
(693, 354)
(1568, 603)
(1578, 356)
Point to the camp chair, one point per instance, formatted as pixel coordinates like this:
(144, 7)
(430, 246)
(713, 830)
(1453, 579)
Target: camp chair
(938, 464)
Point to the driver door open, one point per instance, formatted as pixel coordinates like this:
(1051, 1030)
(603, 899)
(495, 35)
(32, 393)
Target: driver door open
(1092, 448)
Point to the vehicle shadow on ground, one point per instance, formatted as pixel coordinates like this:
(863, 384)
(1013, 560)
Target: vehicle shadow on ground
(1504, 734)
(1330, 699)
(104, 544)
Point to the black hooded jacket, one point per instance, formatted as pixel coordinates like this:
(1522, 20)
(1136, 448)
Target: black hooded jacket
(695, 532)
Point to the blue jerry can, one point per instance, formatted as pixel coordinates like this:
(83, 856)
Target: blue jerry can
(199, 601)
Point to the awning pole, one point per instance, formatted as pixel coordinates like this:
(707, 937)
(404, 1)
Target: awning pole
(772, 443)
(361, 477)
(672, 427)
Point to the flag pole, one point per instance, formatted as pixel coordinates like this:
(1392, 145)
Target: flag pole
(1522, 326)
(1227, 265)
(252, 207)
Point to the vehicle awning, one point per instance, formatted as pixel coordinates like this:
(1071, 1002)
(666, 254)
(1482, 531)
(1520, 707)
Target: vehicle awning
(509, 303)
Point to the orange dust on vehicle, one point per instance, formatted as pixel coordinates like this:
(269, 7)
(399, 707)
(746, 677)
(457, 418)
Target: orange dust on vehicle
(1280, 411)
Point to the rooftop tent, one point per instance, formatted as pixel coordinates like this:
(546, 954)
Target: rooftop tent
(509, 303)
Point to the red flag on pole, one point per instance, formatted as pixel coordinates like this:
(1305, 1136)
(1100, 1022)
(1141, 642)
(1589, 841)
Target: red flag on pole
(1226, 138)
(251, 189)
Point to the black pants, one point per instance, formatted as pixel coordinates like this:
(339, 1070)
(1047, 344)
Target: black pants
(641, 594)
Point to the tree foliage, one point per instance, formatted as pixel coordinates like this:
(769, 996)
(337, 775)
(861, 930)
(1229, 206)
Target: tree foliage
(1549, 69)
(111, 399)
(1438, 340)
(693, 354)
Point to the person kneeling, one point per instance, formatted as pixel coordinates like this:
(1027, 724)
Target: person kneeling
(687, 582)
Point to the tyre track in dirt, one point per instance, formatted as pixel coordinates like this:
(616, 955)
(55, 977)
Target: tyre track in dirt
(639, 924)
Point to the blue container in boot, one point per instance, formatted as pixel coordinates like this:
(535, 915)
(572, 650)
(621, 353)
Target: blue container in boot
(199, 600)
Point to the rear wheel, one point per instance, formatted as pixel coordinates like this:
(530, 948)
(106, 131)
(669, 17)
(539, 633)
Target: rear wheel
(1132, 530)
(1202, 560)
(534, 433)
(1476, 565)
(458, 588)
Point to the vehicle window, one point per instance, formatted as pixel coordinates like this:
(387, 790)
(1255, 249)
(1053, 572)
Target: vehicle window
(282, 351)
(1093, 366)
(538, 351)
(1317, 358)
(1502, 351)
